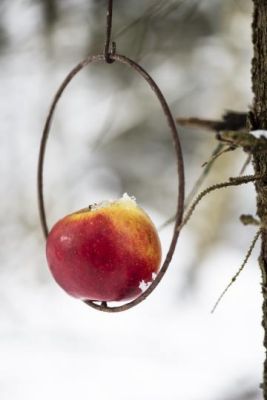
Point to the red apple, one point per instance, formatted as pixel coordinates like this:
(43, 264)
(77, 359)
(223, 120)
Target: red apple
(107, 252)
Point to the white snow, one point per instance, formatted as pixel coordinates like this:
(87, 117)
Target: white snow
(125, 200)
(144, 285)
(259, 132)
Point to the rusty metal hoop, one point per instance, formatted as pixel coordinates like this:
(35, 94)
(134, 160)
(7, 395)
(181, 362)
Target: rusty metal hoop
(179, 156)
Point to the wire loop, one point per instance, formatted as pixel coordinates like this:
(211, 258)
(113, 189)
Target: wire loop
(180, 168)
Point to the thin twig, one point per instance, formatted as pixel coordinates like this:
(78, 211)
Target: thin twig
(246, 164)
(215, 156)
(196, 186)
(248, 219)
(150, 12)
(236, 181)
(231, 121)
(216, 153)
(160, 9)
(239, 271)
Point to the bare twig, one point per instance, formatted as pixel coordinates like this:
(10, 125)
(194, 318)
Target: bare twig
(246, 164)
(197, 185)
(231, 121)
(236, 181)
(217, 152)
(248, 219)
(239, 271)
(215, 156)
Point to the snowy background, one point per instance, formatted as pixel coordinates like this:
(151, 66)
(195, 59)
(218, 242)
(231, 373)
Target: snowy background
(109, 137)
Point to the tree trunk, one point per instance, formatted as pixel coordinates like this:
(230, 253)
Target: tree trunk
(258, 120)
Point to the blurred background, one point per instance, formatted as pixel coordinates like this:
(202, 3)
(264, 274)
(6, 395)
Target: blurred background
(110, 137)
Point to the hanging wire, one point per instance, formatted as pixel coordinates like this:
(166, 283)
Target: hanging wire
(102, 58)
(107, 50)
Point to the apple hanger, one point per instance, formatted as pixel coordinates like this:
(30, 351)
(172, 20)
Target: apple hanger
(110, 56)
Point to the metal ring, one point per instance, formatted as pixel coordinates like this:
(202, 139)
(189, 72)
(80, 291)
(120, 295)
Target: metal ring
(180, 168)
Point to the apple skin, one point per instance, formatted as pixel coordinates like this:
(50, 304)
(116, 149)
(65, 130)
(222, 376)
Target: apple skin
(108, 253)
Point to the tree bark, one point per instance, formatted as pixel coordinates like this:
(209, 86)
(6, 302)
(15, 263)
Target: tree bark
(258, 120)
(259, 63)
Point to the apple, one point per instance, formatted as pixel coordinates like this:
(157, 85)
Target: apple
(107, 252)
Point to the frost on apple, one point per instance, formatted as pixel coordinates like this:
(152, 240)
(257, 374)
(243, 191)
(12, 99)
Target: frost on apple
(145, 285)
(125, 200)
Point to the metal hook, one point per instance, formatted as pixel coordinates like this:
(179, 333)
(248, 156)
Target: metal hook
(107, 52)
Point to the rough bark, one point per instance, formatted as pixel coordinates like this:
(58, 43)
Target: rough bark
(259, 63)
(259, 121)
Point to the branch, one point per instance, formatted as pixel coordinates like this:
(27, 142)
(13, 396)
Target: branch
(231, 121)
(239, 271)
